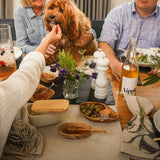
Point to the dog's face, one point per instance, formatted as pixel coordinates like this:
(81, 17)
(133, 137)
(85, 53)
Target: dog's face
(59, 12)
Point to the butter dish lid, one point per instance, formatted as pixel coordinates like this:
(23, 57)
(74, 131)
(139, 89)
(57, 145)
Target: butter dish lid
(50, 106)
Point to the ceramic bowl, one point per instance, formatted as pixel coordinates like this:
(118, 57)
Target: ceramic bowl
(156, 119)
(42, 119)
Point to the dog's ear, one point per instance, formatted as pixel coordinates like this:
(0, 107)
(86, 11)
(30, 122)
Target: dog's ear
(48, 27)
(73, 24)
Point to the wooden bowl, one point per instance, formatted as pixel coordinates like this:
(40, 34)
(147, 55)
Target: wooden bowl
(47, 77)
(46, 95)
(104, 111)
(62, 130)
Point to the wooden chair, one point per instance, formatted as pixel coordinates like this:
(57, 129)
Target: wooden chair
(97, 26)
(11, 23)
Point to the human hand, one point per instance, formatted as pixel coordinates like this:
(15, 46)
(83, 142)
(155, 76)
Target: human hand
(153, 71)
(50, 38)
(54, 35)
(85, 38)
(116, 69)
(50, 50)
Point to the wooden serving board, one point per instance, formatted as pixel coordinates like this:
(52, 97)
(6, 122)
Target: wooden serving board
(105, 111)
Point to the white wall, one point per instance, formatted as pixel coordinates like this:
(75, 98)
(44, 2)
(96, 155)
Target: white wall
(16, 4)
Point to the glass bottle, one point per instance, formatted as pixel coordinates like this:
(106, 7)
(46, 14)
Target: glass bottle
(130, 70)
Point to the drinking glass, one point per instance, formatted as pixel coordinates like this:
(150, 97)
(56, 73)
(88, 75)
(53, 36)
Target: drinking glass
(7, 58)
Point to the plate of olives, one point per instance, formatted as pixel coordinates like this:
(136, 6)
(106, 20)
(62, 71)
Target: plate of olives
(97, 112)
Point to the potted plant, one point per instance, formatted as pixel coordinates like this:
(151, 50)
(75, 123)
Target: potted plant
(70, 74)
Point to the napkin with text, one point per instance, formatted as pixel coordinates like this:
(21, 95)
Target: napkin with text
(137, 137)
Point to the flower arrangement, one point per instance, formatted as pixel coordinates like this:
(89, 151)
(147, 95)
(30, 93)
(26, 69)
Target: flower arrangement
(155, 64)
(67, 67)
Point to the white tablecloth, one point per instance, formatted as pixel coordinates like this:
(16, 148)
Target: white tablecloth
(98, 146)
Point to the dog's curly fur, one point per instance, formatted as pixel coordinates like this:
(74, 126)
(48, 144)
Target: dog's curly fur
(73, 23)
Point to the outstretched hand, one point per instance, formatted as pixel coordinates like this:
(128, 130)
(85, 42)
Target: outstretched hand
(51, 37)
(54, 35)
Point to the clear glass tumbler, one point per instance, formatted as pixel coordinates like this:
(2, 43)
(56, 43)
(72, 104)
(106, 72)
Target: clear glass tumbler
(7, 57)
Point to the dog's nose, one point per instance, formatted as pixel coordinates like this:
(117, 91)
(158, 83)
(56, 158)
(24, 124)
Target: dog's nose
(52, 16)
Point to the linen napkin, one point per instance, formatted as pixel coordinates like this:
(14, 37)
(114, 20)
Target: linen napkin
(137, 137)
(24, 141)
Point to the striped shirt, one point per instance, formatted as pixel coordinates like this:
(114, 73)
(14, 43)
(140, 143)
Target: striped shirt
(123, 23)
(30, 28)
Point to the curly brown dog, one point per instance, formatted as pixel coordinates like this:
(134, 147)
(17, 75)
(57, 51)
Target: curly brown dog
(73, 23)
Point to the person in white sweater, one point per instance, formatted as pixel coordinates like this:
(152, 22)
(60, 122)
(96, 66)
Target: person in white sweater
(20, 86)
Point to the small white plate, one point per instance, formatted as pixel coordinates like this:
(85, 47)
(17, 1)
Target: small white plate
(156, 119)
(17, 52)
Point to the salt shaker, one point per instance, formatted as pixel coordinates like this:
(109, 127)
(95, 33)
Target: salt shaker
(101, 81)
(97, 54)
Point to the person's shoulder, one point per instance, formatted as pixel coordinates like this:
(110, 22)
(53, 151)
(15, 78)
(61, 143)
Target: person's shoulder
(121, 10)
(20, 11)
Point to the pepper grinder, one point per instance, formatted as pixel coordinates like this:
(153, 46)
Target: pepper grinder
(97, 54)
(101, 81)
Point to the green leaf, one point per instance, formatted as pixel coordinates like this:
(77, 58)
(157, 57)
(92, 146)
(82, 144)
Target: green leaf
(151, 81)
(152, 76)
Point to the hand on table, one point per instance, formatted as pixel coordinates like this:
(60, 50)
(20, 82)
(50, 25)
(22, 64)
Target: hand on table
(116, 69)
(154, 71)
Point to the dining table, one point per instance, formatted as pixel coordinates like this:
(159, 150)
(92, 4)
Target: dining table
(151, 92)
(57, 144)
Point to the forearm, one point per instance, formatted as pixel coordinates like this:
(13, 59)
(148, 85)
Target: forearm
(110, 54)
(43, 46)
(17, 90)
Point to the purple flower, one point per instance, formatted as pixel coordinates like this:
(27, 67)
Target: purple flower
(94, 75)
(61, 77)
(63, 72)
(58, 65)
(53, 68)
(77, 76)
(92, 65)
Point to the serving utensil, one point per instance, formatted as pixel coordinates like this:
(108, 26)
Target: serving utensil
(103, 117)
(76, 129)
(156, 139)
(48, 88)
